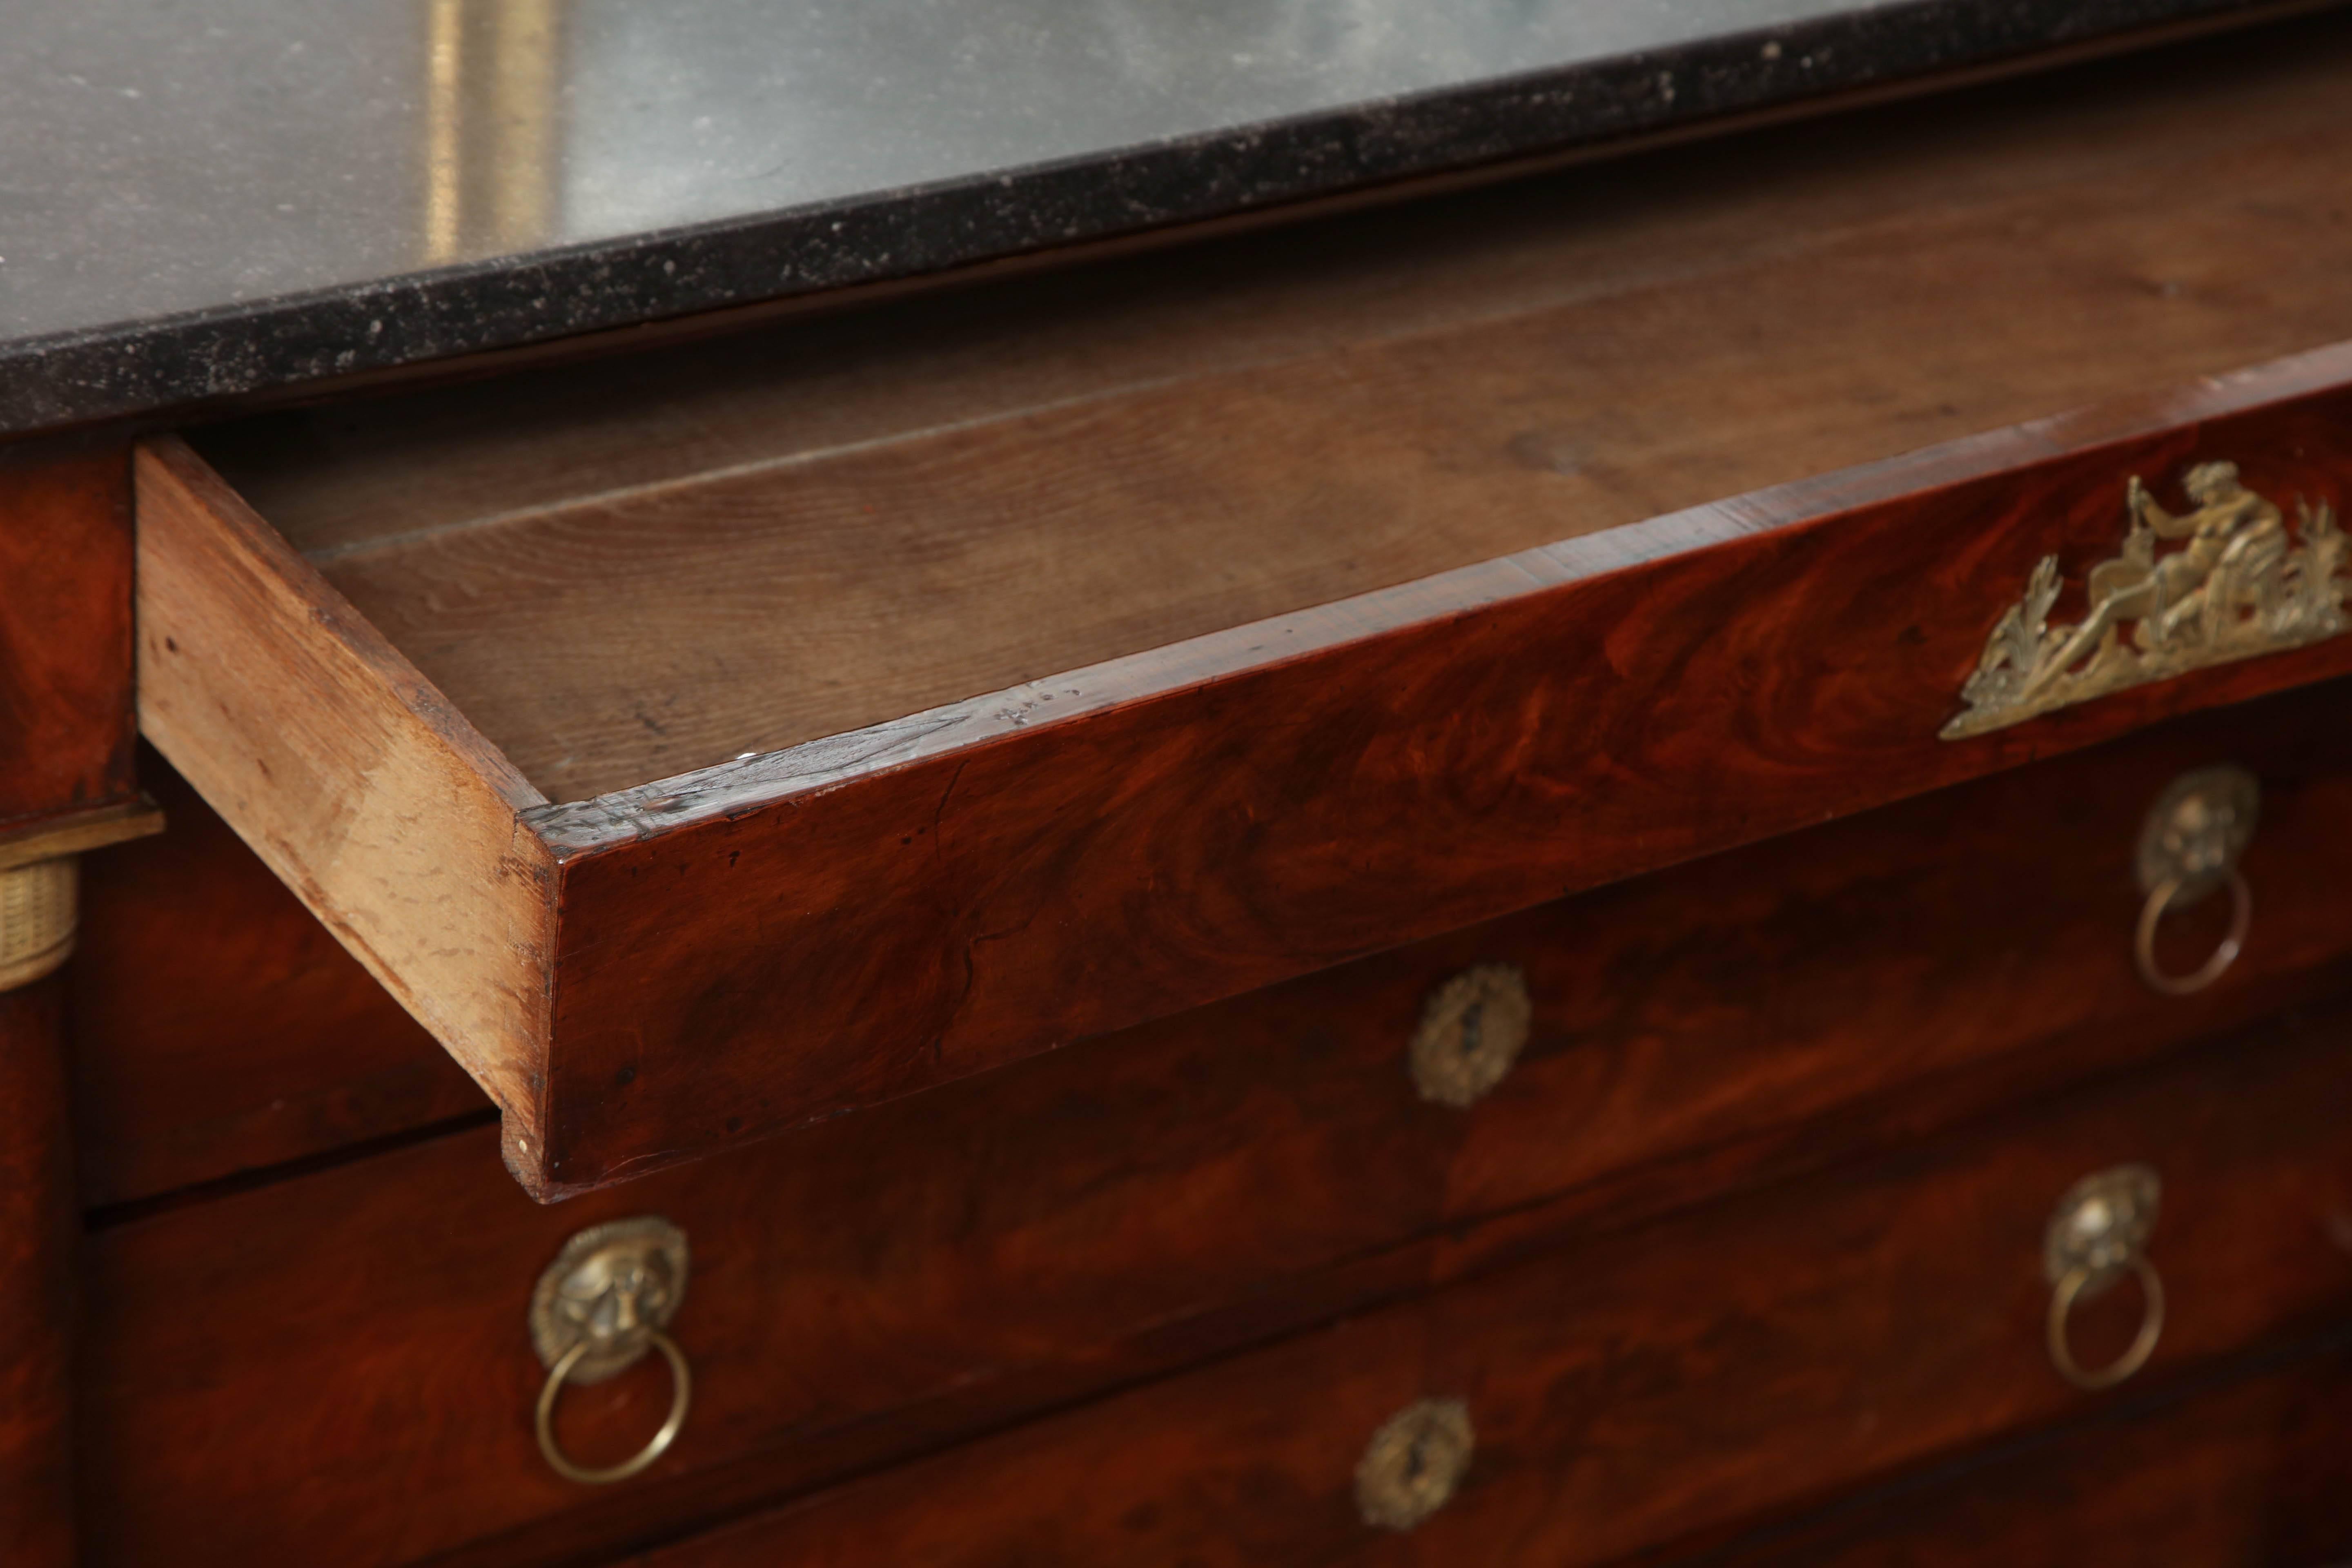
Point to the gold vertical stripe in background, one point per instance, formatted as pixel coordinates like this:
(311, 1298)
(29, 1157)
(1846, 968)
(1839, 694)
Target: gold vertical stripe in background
(492, 134)
(445, 23)
(522, 92)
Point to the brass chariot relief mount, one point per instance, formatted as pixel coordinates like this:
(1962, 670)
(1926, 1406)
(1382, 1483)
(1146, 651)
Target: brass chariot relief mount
(2238, 588)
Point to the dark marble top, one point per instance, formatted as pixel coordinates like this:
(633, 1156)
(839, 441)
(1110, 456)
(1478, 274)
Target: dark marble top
(205, 200)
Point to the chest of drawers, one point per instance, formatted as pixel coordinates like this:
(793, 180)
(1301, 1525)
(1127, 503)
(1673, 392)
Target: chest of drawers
(1617, 866)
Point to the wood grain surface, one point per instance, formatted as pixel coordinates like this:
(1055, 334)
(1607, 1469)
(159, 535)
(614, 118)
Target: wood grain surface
(66, 740)
(66, 723)
(2246, 1472)
(883, 1283)
(38, 1237)
(219, 1028)
(1777, 1348)
(621, 573)
(801, 934)
(351, 778)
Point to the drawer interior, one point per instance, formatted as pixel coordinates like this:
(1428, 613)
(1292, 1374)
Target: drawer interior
(624, 570)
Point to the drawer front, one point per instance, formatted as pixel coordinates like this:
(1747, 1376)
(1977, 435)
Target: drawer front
(671, 969)
(1109, 1212)
(1578, 1408)
(2247, 1475)
(220, 1028)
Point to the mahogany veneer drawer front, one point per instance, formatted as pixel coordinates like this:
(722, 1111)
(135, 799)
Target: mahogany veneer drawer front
(1578, 1407)
(246, 1037)
(654, 975)
(868, 1288)
(2246, 1471)
(693, 789)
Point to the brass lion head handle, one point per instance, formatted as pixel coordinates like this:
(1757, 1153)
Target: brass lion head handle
(595, 1312)
(2098, 1233)
(2189, 849)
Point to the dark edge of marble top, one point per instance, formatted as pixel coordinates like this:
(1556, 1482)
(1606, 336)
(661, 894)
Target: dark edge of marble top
(179, 361)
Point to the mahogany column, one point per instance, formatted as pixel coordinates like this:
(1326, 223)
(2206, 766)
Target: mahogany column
(66, 784)
(36, 1248)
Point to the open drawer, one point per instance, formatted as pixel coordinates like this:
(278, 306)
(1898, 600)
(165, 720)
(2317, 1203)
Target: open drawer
(701, 747)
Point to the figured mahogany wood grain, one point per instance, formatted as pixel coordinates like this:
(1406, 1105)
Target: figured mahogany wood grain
(38, 1241)
(882, 1283)
(65, 722)
(66, 738)
(761, 943)
(623, 574)
(344, 769)
(219, 1027)
(1776, 1347)
(780, 940)
(2249, 1474)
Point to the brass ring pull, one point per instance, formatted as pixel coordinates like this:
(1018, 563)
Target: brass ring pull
(2143, 1345)
(2189, 846)
(2151, 915)
(595, 1312)
(682, 1392)
(2098, 1233)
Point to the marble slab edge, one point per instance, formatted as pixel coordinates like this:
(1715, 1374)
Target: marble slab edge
(175, 362)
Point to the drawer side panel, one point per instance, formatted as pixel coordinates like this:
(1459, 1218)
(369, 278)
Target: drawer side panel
(347, 773)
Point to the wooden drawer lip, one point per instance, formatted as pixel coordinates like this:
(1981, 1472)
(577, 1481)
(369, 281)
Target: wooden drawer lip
(867, 915)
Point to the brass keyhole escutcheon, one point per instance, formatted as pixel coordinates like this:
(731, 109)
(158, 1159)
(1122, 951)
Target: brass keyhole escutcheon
(2098, 1233)
(1473, 1029)
(1413, 1463)
(2189, 846)
(595, 1312)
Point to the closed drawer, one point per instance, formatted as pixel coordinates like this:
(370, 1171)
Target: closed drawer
(873, 1285)
(737, 780)
(2246, 1471)
(1781, 1346)
(219, 1030)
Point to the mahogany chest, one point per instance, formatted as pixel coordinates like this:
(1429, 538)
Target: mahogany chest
(1640, 860)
